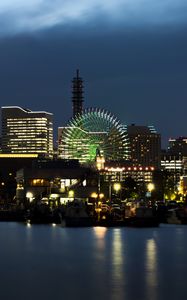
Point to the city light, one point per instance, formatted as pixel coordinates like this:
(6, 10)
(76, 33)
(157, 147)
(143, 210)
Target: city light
(94, 195)
(150, 187)
(71, 194)
(117, 187)
(101, 196)
(30, 196)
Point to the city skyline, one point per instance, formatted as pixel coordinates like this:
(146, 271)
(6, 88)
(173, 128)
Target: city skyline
(132, 60)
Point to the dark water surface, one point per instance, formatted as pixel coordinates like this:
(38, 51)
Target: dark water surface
(46, 262)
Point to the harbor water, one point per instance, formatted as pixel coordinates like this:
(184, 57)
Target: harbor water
(50, 262)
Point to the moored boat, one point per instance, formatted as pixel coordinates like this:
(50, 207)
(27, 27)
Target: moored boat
(76, 215)
(144, 217)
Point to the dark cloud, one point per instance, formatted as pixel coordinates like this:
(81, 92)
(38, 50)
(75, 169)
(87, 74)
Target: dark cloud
(138, 74)
(18, 16)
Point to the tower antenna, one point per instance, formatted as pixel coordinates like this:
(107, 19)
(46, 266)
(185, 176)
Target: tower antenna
(77, 94)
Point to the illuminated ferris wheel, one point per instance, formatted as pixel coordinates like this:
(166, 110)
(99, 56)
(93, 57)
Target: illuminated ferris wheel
(95, 130)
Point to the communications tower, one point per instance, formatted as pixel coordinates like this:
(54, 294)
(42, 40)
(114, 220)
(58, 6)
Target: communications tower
(77, 94)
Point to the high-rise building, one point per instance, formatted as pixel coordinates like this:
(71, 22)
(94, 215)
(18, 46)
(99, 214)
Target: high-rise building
(25, 131)
(178, 146)
(145, 146)
(174, 159)
(77, 94)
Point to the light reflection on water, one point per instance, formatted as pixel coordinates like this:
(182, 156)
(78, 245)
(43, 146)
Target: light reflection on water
(117, 265)
(117, 253)
(100, 232)
(95, 263)
(151, 268)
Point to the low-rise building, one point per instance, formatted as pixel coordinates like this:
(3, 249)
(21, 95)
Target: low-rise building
(60, 181)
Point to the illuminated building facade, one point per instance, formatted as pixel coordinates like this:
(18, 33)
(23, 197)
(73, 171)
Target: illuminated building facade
(119, 174)
(172, 163)
(174, 159)
(145, 146)
(58, 181)
(26, 132)
(95, 131)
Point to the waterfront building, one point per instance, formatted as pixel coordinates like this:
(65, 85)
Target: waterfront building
(119, 174)
(58, 181)
(92, 132)
(27, 132)
(118, 178)
(10, 164)
(145, 146)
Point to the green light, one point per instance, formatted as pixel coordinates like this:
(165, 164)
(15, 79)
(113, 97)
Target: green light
(94, 129)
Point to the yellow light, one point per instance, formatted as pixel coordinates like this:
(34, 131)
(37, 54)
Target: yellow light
(150, 187)
(99, 166)
(54, 196)
(100, 232)
(29, 195)
(116, 169)
(18, 155)
(100, 160)
(71, 194)
(180, 189)
(173, 196)
(101, 196)
(28, 223)
(94, 195)
(117, 187)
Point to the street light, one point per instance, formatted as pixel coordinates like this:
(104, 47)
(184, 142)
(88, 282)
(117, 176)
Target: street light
(94, 195)
(117, 187)
(71, 194)
(30, 196)
(150, 187)
(98, 198)
(101, 196)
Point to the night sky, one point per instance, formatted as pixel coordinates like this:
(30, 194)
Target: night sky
(132, 55)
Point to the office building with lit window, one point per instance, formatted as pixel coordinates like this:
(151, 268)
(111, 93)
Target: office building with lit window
(178, 146)
(174, 159)
(145, 146)
(27, 132)
(173, 166)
